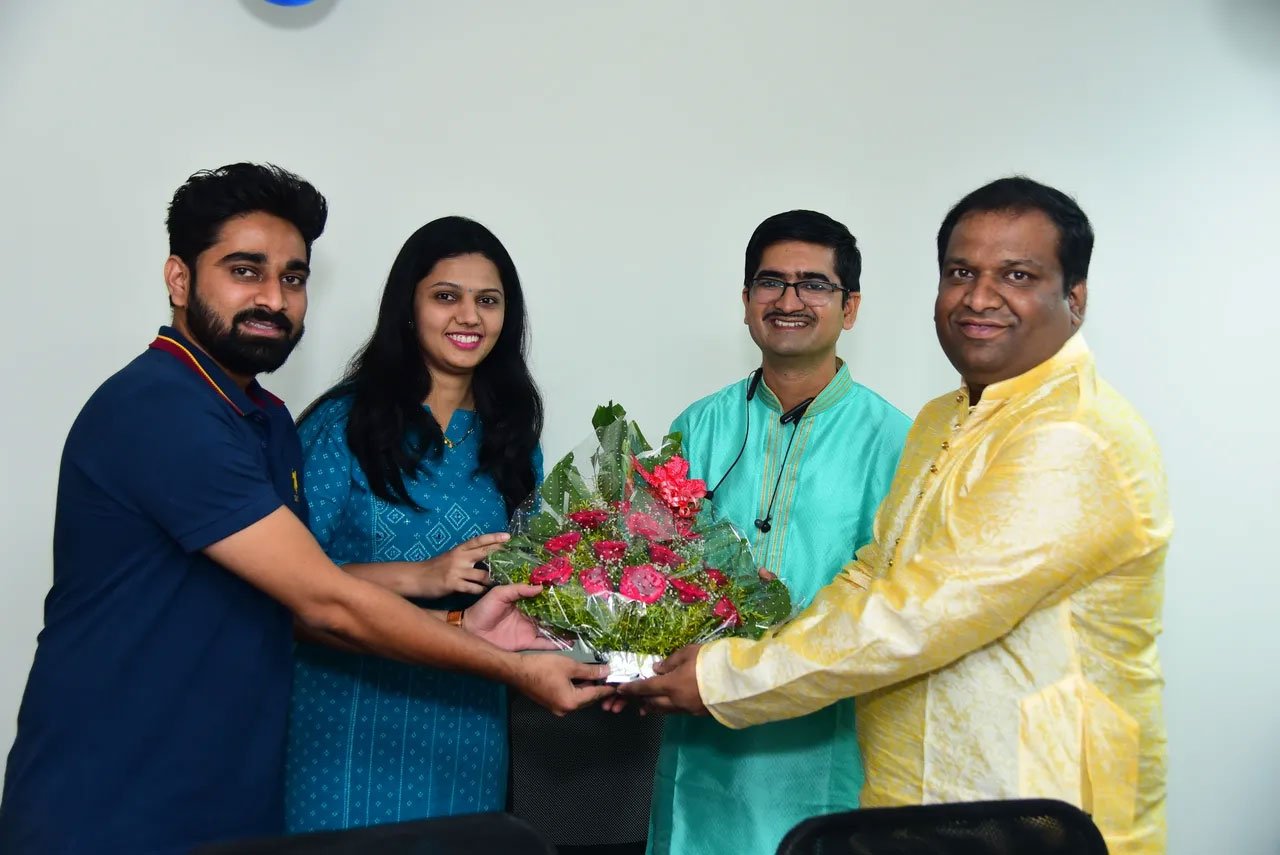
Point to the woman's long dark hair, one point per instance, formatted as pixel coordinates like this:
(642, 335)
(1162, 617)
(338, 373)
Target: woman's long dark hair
(389, 432)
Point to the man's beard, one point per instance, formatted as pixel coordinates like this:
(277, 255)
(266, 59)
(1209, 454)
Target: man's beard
(238, 353)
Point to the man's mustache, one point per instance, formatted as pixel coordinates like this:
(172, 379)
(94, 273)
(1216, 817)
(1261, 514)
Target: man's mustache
(277, 318)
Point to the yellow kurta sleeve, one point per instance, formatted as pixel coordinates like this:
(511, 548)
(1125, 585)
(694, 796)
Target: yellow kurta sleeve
(1049, 514)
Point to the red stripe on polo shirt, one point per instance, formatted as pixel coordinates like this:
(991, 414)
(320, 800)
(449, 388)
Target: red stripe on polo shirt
(185, 356)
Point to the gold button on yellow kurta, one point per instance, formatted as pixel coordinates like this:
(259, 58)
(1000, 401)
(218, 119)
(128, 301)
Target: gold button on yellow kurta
(1000, 630)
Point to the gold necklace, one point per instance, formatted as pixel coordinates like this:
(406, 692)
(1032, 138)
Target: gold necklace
(450, 443)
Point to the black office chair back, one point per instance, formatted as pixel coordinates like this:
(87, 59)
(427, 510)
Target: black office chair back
(1024, 827)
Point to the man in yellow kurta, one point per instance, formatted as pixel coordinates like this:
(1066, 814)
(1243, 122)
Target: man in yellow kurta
(999, 632)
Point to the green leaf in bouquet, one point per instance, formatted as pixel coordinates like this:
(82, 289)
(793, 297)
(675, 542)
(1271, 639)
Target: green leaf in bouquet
(639, 445)
(672, 444)
(516, 559)
(721, 543)
(610, 477)
(512, 566)
(771, 602)
(579, 492)
(738, 563)
(607, 415)
(611, 460)
(563, 488)
(613, 438)
(544, 525)
(556, 483)
(522, 544)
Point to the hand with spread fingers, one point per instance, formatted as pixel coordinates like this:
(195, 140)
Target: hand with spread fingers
(455, 571)
(496, 619)
(675, 689)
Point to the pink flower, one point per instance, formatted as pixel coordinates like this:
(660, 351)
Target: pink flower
(643, 525)
(717, 578)
(727, 612)
(557, 571)
(671, 483)
(689, 592)
(675, 469)
(664, 556)
(563, 542)
(589, 519)
(595, 580)
(609, 550)
(643, 582)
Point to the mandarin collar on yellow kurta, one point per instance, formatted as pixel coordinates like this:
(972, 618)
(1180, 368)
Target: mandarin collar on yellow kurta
(1072, 354)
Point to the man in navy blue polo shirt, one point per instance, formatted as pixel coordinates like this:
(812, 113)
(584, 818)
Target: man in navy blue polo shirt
(153, 719)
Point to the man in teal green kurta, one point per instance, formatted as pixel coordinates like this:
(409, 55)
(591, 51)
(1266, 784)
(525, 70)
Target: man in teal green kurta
(815, 453)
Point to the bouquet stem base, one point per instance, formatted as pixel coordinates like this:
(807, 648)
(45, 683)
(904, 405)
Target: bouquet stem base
(626, 667)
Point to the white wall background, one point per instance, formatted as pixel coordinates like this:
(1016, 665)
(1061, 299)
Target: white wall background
(624, 152)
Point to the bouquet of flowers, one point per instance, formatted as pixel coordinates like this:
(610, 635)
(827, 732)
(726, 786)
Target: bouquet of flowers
(635, 562)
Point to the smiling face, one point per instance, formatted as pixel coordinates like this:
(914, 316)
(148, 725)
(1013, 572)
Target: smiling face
(246, 300)
(787, 329)
(458, 310)
(1001, 308)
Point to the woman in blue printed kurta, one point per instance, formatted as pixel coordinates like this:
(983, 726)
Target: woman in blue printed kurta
(413, 462)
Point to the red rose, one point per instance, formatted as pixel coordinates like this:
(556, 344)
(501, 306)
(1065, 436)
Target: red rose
(609, 550)
(717, 578)
(595, 580)
(563, 542)
(557, 571)
(689, 592)
(589, 519)
(727, 612)
(643, 582)
(664, 556)
(643, 525)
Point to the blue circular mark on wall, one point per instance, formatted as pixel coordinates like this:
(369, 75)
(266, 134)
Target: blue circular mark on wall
(289, 2)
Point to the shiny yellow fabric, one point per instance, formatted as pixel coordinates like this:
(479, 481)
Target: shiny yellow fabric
(1000, 629)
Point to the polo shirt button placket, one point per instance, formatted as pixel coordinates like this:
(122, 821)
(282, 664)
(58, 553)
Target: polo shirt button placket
(261, 421)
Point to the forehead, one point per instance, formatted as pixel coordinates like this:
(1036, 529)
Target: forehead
(472, 270)
(259, 232)
(797, 256)
(997, 235)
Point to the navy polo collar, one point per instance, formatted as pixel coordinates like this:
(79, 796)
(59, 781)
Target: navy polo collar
(181, 348)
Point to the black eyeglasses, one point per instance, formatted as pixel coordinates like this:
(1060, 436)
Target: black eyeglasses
(812, 292)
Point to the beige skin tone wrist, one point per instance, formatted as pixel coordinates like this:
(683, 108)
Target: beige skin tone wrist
(399, 577)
